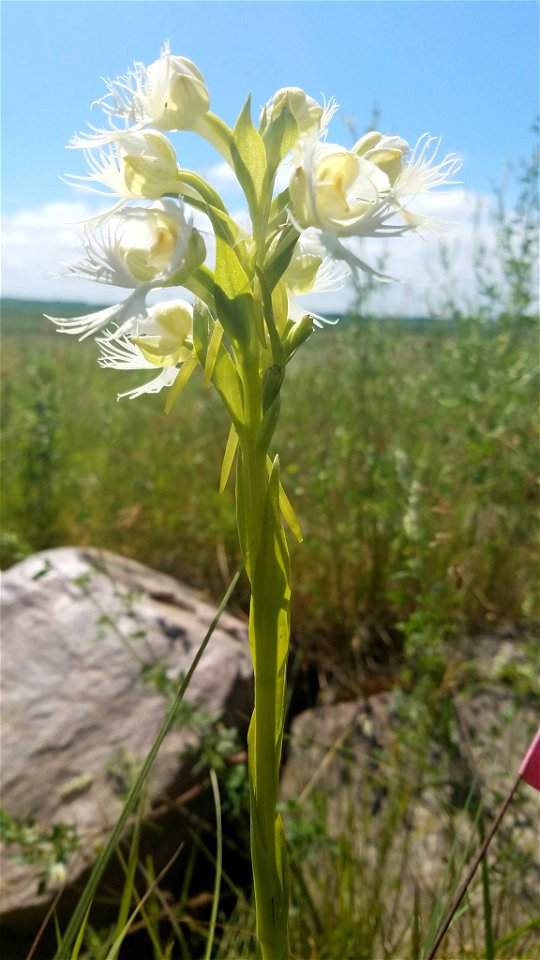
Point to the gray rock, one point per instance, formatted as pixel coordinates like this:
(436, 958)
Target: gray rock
(79, 628)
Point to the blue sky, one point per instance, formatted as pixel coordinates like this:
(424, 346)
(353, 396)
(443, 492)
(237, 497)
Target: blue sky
(465, 70)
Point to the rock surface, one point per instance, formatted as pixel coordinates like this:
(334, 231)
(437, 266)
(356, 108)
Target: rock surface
(80, 627)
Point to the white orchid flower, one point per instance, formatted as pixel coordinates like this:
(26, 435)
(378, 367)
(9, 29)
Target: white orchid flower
(364, 192)
(165, 340)
(421, 174)
(140, 248)
(170, 94)
(339, 193)
(311, 270)
(141, 165)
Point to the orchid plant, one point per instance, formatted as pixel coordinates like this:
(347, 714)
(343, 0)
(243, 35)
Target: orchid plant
(239, 322)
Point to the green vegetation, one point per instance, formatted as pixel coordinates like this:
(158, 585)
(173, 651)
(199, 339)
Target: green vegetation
(418, 471)
(412, 449)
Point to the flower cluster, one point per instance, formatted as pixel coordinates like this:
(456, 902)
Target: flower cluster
(300, 241)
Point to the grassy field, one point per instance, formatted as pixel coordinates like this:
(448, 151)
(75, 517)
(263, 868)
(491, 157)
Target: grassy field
(409, 451)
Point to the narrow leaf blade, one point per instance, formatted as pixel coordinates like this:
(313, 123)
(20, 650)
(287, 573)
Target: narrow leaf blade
(228, 458)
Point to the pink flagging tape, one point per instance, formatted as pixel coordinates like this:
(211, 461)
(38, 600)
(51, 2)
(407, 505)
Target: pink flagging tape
(529, 770)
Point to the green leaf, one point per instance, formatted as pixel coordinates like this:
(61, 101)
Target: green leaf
(271, 586)
(211, 356)
(180, 383)
(223, 371)
(232, 294)
(281, 256)
(130, 869)
(80, 936)
(229, 386)
(202, 318)
(224, 226)
(228, 458)
(278, 353)
(219, 867)
(279, 203)
(249, 156)
(287, 510)
(282, 868)
(201, 283)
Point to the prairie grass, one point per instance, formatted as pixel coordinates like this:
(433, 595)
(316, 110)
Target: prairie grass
(408, 451)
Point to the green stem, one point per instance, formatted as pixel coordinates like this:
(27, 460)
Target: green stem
(265, 733)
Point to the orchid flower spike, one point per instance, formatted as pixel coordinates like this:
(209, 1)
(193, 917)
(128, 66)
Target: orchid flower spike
(141, 248)
(311, 270)
(170, 94)
(165, 340)
(364, 192)
(139, 166)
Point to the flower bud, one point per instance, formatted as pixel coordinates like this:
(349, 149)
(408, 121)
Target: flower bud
(175, 93)
(148, 163)
(173, 342)
(298, 334)
(157, 242)
(386, 152)
(305, 110)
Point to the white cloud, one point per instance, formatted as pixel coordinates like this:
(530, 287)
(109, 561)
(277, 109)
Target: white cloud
(36, 242)
(222, 178)
(416, 263)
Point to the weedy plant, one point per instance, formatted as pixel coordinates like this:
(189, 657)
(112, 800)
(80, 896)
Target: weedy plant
(245, 325)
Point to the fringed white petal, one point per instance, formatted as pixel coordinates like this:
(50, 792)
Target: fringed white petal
(165, 379)
(332, 275)
(330, 108)
(297, 313)
(105, 168)
(341, 252)
(120, 353)
(102, 136)
(421, 173)
(124, 316)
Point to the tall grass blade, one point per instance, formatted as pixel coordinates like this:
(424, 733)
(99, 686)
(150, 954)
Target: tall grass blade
(127, 891)
(219, 862)
(80, 937)
(464, 885)
(134, 794)
(113, 952)
(486, 899)
(517, 933)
